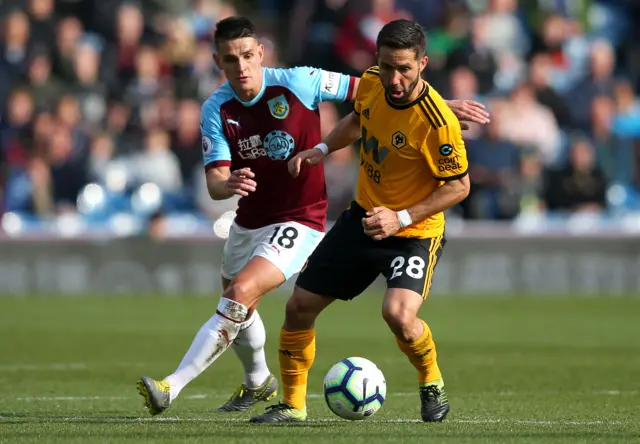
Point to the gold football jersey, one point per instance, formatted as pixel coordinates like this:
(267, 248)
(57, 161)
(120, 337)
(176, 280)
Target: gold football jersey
(406, 151)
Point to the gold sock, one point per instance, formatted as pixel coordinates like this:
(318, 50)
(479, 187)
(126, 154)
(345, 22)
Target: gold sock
(297, 351)
(422, 354)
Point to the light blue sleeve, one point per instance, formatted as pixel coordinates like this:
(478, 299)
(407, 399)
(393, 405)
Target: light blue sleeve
(312, 85)
(215, 146)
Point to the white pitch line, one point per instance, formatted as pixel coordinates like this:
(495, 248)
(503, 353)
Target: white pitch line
(68, 366)
(199, 396)
(69, 398)
(478, 421)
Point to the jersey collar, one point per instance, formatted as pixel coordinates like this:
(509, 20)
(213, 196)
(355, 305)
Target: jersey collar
(423, 94)
(257, 97)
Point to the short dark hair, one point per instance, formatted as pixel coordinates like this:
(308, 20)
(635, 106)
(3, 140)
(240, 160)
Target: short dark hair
(403, 34)
(233, 28)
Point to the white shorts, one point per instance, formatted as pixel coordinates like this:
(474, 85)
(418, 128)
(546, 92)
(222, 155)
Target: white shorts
(286, 245)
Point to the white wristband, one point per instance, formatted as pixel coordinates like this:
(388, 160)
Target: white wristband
(323, 147)
(404, 218)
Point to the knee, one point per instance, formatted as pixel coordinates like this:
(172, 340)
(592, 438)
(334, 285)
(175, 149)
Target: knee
(242, 291)
(400, 320)
(299, 314)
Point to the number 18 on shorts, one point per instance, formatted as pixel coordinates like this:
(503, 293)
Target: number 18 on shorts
(286, 245)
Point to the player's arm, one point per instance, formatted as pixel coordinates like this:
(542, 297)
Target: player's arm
(447, 158)
(343, 134)
(381, 222)
(468, 111)
(221, 182)
(450, 193)
(446, 155)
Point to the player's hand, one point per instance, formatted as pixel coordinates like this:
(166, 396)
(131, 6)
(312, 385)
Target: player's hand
(309, 157)
(380, 223)
(241, 182)
(469, 111)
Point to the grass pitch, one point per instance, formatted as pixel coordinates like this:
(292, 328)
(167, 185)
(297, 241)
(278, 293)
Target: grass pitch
(516, 370)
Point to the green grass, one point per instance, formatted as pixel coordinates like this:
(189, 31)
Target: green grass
(516, 370)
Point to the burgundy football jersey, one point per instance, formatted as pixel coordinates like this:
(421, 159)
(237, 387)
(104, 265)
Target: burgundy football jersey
(263, 134)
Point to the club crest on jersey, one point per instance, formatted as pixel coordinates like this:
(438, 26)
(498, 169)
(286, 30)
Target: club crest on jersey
(279, 107)
(279, 145)
(399, 140)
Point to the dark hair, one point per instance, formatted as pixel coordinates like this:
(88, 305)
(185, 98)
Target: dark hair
(403, 34)
(233, 28)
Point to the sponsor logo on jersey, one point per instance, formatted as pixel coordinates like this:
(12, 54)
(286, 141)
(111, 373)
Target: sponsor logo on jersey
(279, 107)
(330, 82)
(449, 164)
(279, 145)
(251, 148)
(233, 122)
(446, 150)
(207, 144)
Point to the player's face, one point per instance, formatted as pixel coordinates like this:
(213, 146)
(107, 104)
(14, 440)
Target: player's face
(400, 73)
(241, 61)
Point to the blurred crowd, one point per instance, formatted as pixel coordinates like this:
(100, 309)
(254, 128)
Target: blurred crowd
(101, 98)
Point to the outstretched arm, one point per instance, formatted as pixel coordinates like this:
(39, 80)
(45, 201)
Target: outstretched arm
(344, 134)
(469, 111)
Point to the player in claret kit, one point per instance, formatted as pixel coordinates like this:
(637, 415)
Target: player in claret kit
(251, 126)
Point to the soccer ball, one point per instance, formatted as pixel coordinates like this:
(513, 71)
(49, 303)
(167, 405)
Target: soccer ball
(354, 388)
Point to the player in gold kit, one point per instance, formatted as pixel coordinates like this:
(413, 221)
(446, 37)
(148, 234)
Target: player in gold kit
(413, 166)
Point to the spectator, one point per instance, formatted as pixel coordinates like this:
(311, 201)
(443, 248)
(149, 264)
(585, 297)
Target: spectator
(87, 88)
(43, 29)
(68, 34)
(186, 139)
(494, 165)
(44, 87)
(156, 163)
(540, 78)
(15, 43)
(600, 80)
(527, 123)
(578, 187)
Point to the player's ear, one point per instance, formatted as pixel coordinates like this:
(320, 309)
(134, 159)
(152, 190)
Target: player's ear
(260, 52)
(423, 63)
(217, 60)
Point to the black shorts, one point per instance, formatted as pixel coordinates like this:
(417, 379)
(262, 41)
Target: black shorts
(347, 261)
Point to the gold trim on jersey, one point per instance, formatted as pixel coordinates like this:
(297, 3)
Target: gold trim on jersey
(434, 246)
(374, 70)
(430, 110)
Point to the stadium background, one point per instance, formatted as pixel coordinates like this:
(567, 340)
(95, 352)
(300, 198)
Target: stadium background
(107, 94)
(99, 136)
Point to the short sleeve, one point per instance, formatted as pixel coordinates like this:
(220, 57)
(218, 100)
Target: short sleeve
(445, 151)
(215, 146)
(369, 79)
(313, 85)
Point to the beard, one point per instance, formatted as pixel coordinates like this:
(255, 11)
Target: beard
(405, 97)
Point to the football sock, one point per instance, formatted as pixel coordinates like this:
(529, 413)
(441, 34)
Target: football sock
(297, 351)
(422, 354)
(214, 337)
(249, 346)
